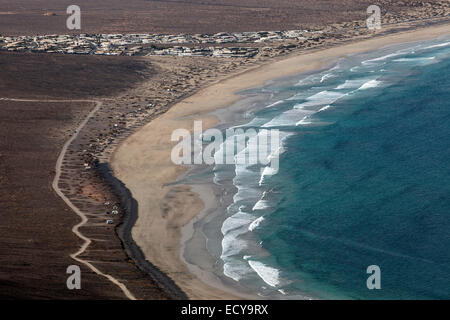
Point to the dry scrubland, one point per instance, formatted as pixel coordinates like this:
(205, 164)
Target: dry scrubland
(36, 225)
(18, 17)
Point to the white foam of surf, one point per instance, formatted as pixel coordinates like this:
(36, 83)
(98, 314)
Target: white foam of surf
(424, 59)
(326, 77)
(402, 52)
(246, 178)
(258, 121)
(240, 222)
(439, 45)
(261, 205)
(255, 122)
(370, 84)
(298, 113)
(274, 104)
(244, 174)
(236, 221)
(322, 98)
(274, 154)
(244, 192)
(236, 269)
(267, 171)
(250, 153)
(304, 121)
(324, 108)
(308, 80)
(352, 84)
(269, 275)
(243, 160)
(232, 245)
(255, 224)
(287, 118)
(220, 154)
(382, 58)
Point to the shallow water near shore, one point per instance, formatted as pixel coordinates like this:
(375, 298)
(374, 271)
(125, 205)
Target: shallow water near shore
(363, 180)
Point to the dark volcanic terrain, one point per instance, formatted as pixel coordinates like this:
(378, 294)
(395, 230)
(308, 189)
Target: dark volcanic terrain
(19, 17)
(47, 76)
(36, 224)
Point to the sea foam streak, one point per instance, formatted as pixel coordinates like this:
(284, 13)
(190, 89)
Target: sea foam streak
(370, 84)
(235, 268)
(352, 84)
(286, 119)
(269, 275)
(261, 205)
(255, 224)
(231, 245)
(386, 57)
(304, 121)
(298, 115)
(424, 59)
(268, 171)
(445, 44)
(322, 98)
(274, 104)
(325, 77)
(236, 221)
(324, 108)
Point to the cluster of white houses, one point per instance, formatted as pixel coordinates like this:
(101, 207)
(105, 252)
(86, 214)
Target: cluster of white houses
(150, 44)
(208, 51)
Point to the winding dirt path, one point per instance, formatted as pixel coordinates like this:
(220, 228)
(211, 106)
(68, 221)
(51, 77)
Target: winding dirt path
(55, 185)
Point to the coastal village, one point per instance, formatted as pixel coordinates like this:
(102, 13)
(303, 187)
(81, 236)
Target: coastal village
(217, 45)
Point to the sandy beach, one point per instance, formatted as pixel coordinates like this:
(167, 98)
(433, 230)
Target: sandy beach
(143, 163)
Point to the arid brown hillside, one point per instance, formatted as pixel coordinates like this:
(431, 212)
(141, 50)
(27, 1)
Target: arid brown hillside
(36, 237)
(71, 77)
(188, 16)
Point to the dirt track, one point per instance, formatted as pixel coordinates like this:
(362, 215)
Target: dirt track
(37, 241)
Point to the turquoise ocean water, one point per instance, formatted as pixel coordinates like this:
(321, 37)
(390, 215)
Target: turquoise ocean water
(364, 180)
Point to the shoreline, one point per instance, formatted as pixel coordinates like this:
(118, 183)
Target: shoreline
(129, 207)
(142, 162)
